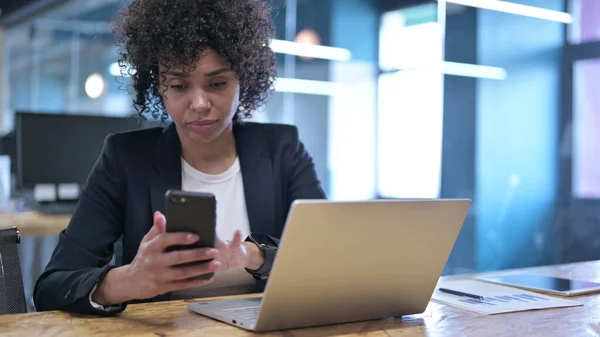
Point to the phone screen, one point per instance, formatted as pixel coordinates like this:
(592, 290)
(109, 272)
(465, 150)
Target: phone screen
(543, 282)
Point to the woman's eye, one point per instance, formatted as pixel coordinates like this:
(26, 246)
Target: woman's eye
(219, 84)
(178, 86)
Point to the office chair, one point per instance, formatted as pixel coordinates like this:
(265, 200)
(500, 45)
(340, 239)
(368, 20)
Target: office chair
(12, 294)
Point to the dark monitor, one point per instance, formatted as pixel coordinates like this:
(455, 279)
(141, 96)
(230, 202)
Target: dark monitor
(61, 148)
(9, 148)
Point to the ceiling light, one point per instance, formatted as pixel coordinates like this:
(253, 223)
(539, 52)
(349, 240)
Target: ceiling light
(309, 87)
(310, 50)
(473, 70)
(513, 8)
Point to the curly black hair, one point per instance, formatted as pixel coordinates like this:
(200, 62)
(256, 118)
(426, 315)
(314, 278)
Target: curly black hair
(177, 32)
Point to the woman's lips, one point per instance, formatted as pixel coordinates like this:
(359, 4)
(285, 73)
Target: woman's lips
(202, 126)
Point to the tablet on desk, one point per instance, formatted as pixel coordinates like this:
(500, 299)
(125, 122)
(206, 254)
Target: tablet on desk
(544, 283)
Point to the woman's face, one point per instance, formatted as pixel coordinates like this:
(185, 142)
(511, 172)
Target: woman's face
(201, 103)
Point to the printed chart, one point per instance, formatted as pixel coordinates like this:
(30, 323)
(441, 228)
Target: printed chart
(497, 299)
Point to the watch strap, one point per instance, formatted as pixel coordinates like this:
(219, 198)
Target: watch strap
(269, 251)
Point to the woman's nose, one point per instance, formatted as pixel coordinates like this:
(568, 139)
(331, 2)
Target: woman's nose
(200, 101)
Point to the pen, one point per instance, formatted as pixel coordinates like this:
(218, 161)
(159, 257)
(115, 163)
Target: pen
(460, 293)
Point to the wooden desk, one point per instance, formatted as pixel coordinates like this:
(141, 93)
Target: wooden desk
(35, 224)
(173, 319)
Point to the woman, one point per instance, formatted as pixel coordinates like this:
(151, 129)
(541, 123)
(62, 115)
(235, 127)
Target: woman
(207, 65)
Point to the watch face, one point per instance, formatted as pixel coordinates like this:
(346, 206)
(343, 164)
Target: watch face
(264, 239)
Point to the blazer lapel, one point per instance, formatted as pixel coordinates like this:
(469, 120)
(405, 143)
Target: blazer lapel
(257, 175)
(167, 163)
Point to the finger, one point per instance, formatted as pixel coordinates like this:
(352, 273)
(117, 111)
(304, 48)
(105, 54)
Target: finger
(184, 273)
(165, 240)
(186, 284)
(160, 222)
(158, 227)
(237, 239)
(185, 256)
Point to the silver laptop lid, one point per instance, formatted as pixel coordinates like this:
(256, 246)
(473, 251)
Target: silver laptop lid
(351, 261)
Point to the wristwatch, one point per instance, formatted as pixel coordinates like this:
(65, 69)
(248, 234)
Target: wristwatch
(267, 245)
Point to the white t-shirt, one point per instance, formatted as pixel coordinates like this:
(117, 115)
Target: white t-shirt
(232, 215)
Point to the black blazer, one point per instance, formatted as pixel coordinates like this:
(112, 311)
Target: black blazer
(128, 183)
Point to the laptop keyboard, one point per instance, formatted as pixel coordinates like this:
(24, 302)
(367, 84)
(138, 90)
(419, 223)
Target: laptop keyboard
(247, 313)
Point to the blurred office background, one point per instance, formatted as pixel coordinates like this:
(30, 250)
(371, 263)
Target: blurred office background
(484, 99)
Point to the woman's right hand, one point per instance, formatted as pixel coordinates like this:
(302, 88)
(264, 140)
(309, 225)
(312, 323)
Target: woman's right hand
(152, 271)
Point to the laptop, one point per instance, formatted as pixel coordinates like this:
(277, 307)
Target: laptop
(341, 262)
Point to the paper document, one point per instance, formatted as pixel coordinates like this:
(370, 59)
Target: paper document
(497, 299)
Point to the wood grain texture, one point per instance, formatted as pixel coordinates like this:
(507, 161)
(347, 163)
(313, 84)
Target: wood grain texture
(35, 224)
(173, 319)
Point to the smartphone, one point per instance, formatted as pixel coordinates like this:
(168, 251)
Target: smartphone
(545, 283)
(192, 212)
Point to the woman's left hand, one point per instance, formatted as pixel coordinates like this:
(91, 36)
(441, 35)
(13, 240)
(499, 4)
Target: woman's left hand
(232, 254)
(238, 254)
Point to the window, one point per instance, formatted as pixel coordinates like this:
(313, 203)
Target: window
(410, 104)
(586, 21)
(586, 123)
